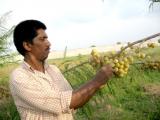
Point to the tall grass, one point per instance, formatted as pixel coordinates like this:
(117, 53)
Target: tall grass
(123, 99)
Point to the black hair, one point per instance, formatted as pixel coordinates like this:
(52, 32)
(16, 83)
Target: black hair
(26, 31)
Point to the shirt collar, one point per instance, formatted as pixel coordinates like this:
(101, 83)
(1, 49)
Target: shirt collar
(28, 67)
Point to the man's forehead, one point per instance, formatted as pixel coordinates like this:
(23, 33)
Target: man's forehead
(41, 33)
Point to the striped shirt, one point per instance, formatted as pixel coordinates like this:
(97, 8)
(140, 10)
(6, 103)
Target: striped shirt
(41, 96)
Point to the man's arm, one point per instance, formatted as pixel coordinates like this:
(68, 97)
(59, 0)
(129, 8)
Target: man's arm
(86, 91)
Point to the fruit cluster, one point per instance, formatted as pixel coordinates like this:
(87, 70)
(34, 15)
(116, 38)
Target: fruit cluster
(121, 61)
(155, 65)
(120, 64)
(151, 45)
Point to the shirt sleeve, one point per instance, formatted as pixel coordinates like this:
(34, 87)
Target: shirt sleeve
(31, 92)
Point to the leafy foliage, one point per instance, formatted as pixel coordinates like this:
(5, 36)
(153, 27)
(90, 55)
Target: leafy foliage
(4, 41)
(153, 2)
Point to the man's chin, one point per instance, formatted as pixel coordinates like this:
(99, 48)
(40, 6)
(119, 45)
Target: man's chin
(44, 58)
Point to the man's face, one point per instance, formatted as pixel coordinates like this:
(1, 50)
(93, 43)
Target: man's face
(41, 46)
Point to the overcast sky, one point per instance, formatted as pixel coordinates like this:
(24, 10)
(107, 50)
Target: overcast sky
(83, 23)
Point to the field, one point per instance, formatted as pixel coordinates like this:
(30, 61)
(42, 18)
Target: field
(135, 96)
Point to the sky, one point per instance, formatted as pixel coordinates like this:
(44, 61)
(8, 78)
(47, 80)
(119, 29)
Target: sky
(83, 23)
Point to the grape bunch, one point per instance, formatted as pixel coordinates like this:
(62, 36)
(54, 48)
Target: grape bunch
(151, 45)
(154, 65)
(120, 64)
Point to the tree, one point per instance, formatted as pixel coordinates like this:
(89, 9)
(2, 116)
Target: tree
(152, 2)
(155, 0)
(5, 33)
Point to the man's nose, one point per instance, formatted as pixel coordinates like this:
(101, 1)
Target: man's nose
(48, 43)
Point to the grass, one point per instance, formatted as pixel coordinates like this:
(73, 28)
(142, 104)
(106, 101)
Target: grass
(8, 110)
(133, 97)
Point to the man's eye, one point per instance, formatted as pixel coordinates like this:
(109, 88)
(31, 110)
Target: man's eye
(41, 39)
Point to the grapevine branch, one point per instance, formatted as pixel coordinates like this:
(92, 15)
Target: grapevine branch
(136, 42)
(85, 62)
(123, 49)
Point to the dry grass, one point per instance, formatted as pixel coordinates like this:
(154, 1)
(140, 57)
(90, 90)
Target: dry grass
(152, 89)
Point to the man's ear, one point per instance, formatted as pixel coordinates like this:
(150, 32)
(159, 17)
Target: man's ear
(27, 46)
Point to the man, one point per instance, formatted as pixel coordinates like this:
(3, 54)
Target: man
(39, 90)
